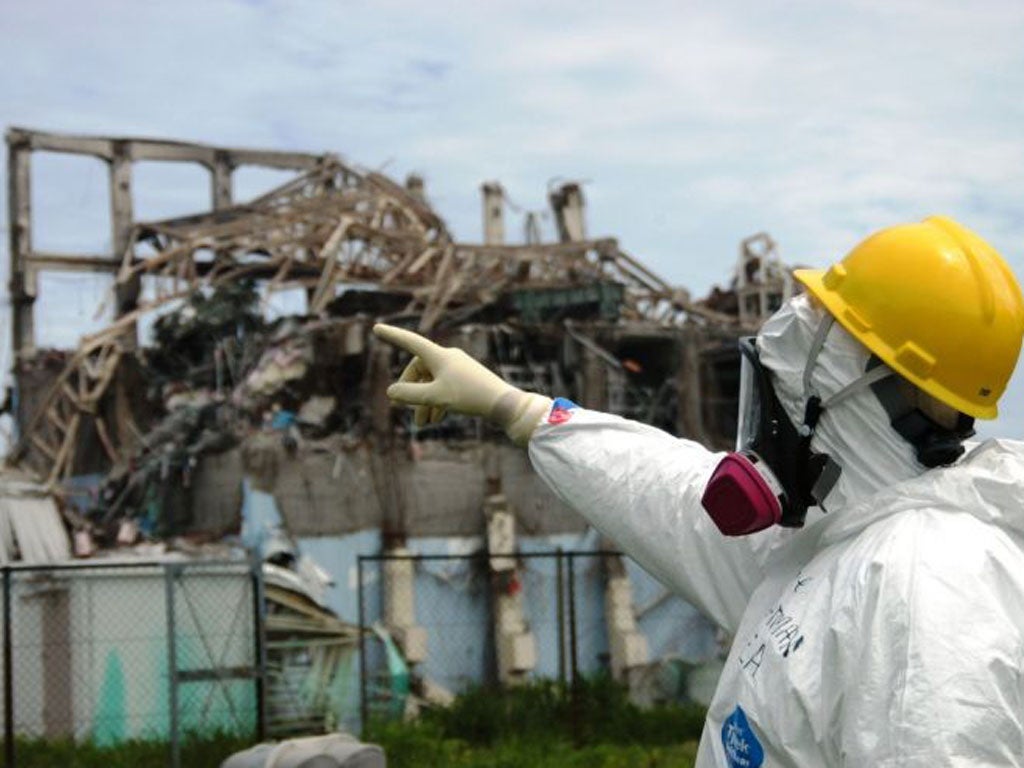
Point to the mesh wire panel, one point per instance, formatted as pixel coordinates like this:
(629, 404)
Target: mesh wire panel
(470, 620)
(98, 655)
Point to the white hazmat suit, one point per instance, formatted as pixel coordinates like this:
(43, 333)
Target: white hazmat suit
(888, 631)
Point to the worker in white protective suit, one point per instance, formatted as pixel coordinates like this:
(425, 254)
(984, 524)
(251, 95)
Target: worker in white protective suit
(870, 572)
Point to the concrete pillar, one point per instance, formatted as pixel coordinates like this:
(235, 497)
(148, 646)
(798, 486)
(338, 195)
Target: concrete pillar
(220, 181)
(513, 640)
(400, 606)
(627, 644)
(121, 219)
(689, 416)
(494, 213)
(19, 216)
(595, 381)
(569, 208)
(121, 209)
(415, 186)
(56, 655)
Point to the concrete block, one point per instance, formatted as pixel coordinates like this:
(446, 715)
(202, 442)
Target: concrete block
(629, 650)
(413, 641)
(501, 538)
(519, 652)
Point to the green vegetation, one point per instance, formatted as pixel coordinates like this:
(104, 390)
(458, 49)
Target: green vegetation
(534, 726)
(540, 726)
(195, 752)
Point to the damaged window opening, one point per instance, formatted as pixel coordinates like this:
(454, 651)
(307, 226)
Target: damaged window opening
(163, 190)
(69, 205)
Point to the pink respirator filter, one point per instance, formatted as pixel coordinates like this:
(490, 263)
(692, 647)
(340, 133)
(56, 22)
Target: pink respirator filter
(739, 499)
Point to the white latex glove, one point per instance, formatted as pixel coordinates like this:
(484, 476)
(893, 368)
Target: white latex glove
(446, 378)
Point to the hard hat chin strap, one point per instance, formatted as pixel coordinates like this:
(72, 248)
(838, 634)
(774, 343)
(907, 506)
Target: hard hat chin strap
(824, 469)
(869, 378)
(934, 445)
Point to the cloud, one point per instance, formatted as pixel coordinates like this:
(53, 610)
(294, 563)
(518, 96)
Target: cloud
(695, 123)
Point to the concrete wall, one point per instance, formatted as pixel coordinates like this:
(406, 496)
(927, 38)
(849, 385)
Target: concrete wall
(438, 491)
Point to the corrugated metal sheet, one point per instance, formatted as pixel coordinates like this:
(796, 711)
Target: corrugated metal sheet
(31, 529)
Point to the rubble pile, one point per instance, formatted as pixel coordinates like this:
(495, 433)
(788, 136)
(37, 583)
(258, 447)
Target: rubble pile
(218, 375)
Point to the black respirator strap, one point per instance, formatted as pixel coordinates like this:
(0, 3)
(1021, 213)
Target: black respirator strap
(807, 469)
(934, 445)
(819, 472)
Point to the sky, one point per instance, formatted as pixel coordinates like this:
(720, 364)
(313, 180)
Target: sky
(691, 124)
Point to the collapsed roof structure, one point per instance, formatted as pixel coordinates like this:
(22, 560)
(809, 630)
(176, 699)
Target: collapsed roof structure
(335, 226)
(168, 430)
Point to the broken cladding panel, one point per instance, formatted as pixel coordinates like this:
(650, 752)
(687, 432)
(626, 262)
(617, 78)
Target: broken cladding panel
(598, 300)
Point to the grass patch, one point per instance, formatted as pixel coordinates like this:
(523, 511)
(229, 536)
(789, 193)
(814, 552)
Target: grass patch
(542, 726)
(533, 726)
(196, 752)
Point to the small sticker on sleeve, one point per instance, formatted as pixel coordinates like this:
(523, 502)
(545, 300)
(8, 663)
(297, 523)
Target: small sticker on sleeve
(561, 411)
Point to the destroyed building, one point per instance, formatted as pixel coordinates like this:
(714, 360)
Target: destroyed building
(225, 423)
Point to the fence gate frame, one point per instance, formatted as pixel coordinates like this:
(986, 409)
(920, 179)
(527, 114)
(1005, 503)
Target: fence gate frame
(214, 672)
(565, 585)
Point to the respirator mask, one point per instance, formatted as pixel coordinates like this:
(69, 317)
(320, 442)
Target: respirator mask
(774, 476)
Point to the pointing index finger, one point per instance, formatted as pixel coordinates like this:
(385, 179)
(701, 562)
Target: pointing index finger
(411, 342)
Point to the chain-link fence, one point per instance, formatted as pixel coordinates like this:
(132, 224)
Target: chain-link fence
(110, 654)
(477, 619)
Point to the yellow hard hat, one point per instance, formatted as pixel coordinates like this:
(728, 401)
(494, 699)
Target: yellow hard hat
(936, 303)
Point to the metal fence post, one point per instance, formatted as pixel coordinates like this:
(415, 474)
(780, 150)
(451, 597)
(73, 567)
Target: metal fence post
(572, 618)
(574, 694)
(364, 707)
(560, 610)
(170, 573)
(259, 631)
(8, 674)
